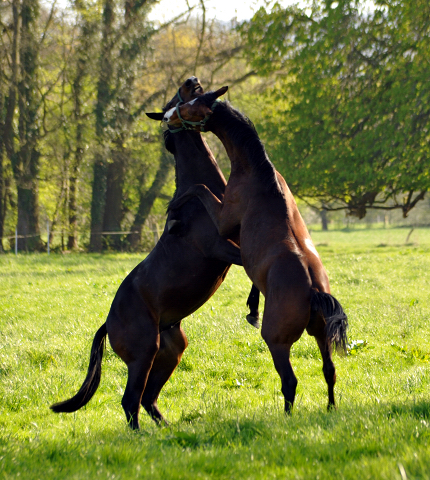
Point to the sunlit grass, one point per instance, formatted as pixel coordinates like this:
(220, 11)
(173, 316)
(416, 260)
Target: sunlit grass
(224, 401)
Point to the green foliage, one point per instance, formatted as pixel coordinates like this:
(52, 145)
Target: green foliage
(224, 401)
(349, 120)
(72, 100)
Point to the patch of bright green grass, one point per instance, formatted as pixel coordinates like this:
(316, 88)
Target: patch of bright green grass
(223, 401)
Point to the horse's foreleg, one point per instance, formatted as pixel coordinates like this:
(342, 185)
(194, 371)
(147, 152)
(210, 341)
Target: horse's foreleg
(221, 214)
(225, 250)
(213, 206)
(173, 342)
(178, 202)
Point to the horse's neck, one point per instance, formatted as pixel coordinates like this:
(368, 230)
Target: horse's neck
(246, 152)
(195, 164)
(240, 140)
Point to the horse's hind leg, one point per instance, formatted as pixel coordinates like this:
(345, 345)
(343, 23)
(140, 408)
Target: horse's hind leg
(316, 328)
(279, 343)
(133, 334)
(328, 369)
(281, 359)
(173, 342)
(138, 371)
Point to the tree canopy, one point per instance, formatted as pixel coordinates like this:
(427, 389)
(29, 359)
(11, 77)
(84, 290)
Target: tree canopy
(348, 120)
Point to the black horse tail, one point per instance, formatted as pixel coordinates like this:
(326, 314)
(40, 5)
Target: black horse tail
(91, 382)
(335, 317)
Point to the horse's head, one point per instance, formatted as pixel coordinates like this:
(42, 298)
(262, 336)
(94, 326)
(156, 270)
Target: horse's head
(189, 90)
(193, 114)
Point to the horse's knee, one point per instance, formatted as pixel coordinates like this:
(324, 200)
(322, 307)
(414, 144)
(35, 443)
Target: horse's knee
(270, 334)
(280, 337)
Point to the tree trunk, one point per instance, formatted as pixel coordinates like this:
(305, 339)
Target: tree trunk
(2, 182)
(114, 195)
(8, 132)
(21, 146)
(147, 199)
(28, 216)
(98, 199)
(2, 190)
(27, 168)
(82, 69)
(324, 220)
(72, 239)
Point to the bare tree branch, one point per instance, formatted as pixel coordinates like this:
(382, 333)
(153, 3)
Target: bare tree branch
(202, 35)
(48, 23)
(126, 27)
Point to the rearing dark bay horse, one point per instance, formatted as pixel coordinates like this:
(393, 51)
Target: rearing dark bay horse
(181, 273)
(277, 251)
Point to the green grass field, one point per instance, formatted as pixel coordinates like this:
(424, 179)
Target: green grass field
(224, 401)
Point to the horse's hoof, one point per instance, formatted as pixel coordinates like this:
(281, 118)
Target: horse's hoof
(160, 420)
(253, 321)
(134, 426)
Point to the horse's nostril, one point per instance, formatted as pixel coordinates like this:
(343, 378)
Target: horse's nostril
(188, 83)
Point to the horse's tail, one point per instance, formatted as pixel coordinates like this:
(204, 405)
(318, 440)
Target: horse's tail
(335, 317)
(92, 380)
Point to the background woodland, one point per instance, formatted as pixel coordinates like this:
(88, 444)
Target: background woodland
(338, 92)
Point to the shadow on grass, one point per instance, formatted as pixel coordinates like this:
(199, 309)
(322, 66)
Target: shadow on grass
(419, 410)
(351, 430)
(310, 441)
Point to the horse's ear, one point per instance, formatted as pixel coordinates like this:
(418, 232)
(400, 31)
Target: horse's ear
(220, 92)
(155, 116)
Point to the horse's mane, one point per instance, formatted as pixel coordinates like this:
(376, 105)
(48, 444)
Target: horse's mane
(244, 135)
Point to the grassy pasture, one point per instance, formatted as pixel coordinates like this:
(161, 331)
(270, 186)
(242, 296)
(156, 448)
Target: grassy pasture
(224, 400)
